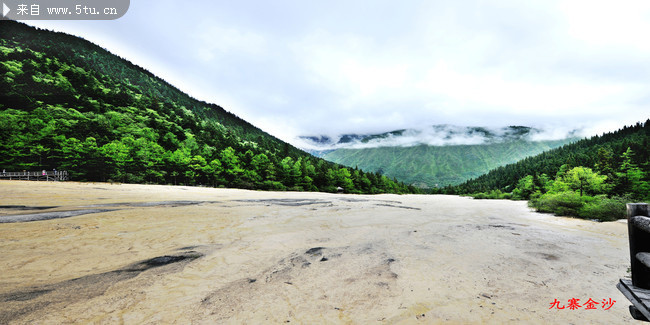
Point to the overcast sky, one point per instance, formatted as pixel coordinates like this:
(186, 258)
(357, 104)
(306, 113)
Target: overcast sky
(330, 67)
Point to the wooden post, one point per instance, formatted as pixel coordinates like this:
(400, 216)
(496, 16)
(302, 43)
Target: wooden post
(639, 243)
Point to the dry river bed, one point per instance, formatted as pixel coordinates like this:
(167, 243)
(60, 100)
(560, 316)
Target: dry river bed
(140, 254)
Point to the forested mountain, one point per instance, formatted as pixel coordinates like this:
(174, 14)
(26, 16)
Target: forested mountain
(66, 103)
(602, 153)
(437, 166)
(592, 179)
(437, 156)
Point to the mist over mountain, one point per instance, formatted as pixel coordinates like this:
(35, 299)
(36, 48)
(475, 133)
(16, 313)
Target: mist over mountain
(439, 155)
(436, 135)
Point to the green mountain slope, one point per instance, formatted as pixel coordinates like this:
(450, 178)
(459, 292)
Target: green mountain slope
(437, 166)
(66, 103)
(601, 153)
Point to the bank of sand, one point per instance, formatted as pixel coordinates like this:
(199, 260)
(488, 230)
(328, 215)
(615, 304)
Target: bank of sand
(269, 257)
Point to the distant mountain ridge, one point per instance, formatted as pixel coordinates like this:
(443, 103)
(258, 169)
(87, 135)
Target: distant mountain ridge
(436, 135)
(439, 155)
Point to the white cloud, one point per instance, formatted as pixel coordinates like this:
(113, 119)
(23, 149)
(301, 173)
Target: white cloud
(213, 42)
(607, 24)
(439, 135)
(311, 68)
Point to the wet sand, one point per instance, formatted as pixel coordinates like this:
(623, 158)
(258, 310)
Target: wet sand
(172, 254)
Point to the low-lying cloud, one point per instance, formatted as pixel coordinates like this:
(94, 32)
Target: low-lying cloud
(437, 135)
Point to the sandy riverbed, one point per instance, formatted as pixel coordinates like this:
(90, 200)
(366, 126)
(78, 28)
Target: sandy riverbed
(165, 254)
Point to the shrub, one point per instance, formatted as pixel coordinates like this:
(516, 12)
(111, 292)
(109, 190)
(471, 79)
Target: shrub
(570, 203)
(273, 186)
(480, 196)
(493, 195)
(563, 203)
(605, 209)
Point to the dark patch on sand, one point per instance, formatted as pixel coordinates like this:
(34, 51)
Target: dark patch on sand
(287, 202)
(188, 248)
(169, 203)
(397, 206)
(23, 296)
(73, 213)
(501, 226)
(314, 251)
(21, 303)
(546, 256)
(492, 226)
(352, 200)
(25, 207)
(164, 260)
(49, 215)
(150, 204)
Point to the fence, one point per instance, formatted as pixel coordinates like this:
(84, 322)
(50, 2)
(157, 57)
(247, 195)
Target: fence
(51, 175)
(637, 289)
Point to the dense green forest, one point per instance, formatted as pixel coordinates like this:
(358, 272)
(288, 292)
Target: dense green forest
(66, 103)
(592, 178)
(429, 166)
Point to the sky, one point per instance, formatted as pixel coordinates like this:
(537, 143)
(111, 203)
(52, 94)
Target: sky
(331, 67)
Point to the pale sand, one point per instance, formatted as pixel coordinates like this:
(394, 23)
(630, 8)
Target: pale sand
(385, 259)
